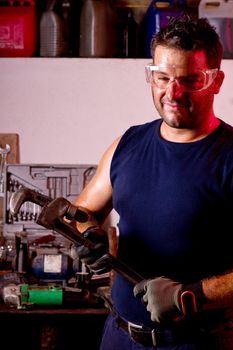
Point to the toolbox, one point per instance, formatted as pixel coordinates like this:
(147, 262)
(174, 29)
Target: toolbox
(53, 180)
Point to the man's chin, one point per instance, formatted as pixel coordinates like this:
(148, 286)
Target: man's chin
(174, 121)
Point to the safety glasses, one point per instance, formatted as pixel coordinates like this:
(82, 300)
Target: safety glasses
(164, 75)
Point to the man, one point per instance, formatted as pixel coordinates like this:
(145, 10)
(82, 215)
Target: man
(171, 182)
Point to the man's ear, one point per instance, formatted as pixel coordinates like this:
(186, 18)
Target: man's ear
(218, 81)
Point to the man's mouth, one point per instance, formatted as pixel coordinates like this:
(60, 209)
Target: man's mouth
(175, 105)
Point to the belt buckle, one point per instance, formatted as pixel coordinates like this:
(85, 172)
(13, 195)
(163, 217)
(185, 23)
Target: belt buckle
(152, 332)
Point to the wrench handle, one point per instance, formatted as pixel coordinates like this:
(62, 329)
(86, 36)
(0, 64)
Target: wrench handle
(124, 270)
(70, 232)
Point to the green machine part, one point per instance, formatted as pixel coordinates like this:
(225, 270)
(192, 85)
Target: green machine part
(41, 295)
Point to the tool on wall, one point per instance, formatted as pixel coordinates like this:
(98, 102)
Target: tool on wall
(3, 152)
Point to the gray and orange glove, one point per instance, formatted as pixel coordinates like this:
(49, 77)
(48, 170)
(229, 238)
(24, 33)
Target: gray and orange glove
(168, 300)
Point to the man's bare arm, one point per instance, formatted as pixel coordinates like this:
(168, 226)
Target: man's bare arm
(218, 291)
(97, 195)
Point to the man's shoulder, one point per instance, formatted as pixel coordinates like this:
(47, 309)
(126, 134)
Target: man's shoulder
(138, 128)
(226, 126)
(226, 131)
(137, 134)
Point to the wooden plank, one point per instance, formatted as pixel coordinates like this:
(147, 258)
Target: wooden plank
(13, 141)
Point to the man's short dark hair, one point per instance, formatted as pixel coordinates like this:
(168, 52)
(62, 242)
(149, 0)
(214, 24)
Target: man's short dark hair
(191, 34)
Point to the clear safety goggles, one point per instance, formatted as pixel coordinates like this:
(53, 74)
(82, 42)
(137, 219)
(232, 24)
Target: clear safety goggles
(163, 75)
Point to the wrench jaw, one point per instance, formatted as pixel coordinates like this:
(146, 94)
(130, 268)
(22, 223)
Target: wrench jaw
(23, 195)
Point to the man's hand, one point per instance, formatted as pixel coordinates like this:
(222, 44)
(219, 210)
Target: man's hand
(168, 300)
(96, 258)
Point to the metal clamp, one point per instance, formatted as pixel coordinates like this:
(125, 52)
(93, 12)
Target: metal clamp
(139, 328)
(188, 303)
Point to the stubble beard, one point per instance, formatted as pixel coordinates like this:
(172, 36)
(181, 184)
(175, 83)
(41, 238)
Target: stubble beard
(177, 119)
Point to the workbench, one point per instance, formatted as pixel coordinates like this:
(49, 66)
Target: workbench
(54, 328)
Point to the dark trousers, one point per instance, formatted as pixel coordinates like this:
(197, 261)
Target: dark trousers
(115, 338)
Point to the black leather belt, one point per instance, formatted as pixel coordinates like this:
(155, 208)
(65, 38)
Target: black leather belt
(184, 334)
(155, 337)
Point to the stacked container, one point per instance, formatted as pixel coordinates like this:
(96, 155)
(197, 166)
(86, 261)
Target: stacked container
(18, 33)
(220, 15)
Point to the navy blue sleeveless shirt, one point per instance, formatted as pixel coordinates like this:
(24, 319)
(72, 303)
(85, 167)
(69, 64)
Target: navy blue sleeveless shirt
(175, 203)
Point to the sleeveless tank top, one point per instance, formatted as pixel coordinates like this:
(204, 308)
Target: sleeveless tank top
(175, 207)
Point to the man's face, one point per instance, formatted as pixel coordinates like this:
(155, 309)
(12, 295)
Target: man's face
(178, 107)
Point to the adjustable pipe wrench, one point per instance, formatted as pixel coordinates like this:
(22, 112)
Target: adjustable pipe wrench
(52, 217)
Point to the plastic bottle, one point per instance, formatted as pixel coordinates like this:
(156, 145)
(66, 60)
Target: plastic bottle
(97, 29)
(127, 31)
(220, 16)
(157, 17)
(152, 25)
(53, 40)
(66, 10)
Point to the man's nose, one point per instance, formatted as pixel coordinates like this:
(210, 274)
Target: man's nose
(174, 89)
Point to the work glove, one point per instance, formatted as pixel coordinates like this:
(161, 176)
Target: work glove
(96, 258)
(168, 300)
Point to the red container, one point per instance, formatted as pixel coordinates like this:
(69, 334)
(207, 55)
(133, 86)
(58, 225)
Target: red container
(18, 30)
